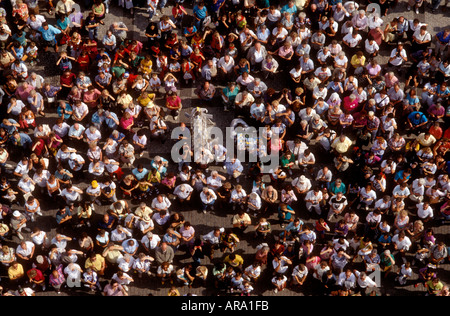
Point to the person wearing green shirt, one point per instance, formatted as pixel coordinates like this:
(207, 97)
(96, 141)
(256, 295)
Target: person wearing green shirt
(337, 186)
(229, 94)
(434, 286)
(288, 161)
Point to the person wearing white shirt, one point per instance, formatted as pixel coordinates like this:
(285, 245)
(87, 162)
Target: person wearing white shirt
(183, 192)
(22, 167)
(273, 16)
(39, 238)
(142, 265)
(35, 21)
(401, 191)
(417, 190)
(320, 92)
(214, 237)
(371, 47)
(71, 194)
(398, 56)
(352, 39)
(367, 196)
(402, 243)
(140, 143)
(306, 159)
(120, 234)
(252, 272)
(208, 198)
(281, 264)
(214, 181)
(15, 106)
(25, 250)
(404, 273)
(424, 211)
(313, 199)
(20, 69)
(220, 152)
(26, 185)
(238, 196)
(324, 177)
(80, 111)
(161, 218)
(383, 204)
(96, 169)
(299, 274)
(254, 202)
(301, 184)
(146, 225)
(347, 279)
(73, 272)
(375, 21)
(363, 283)
(150, 241)
(161, 202)
(307, 114)
(123, 279)
(225, 66)
(340, 243)
(92, 134)
(40, 177)
(77, 131)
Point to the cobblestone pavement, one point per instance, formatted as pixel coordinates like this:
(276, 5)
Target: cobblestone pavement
(204, 223)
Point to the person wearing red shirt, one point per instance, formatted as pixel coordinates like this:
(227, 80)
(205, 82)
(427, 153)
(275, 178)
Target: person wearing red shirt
(436, 130)
(350, 103)
(67, 80)
(173, 104)
(35, 276)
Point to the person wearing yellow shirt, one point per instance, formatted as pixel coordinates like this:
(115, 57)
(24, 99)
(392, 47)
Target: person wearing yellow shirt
(234, 260)
(146, 99)
(145, 67)
(97, 263)
(341, 144)
(15, 273)
(358, 61)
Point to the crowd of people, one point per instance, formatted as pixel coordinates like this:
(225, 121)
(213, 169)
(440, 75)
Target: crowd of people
(360, 124)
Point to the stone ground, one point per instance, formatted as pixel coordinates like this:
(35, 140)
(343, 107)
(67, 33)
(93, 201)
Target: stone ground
(203, 223)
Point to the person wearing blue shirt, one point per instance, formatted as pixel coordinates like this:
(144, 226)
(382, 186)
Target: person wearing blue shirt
(290, 7)
(214, 8)
(417, 121)
(10, 125)
(22, 143)
(443, 74)
(111, 120)
(64, 110)
(285, 213)
(292, 229)
(117, 136)
(402, 176)
(20, 37)
(49, 33)
(441, 40)
(140, 172)
(200, 13)
(63, 23)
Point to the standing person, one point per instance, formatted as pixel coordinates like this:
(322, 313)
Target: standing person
(49, 33)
